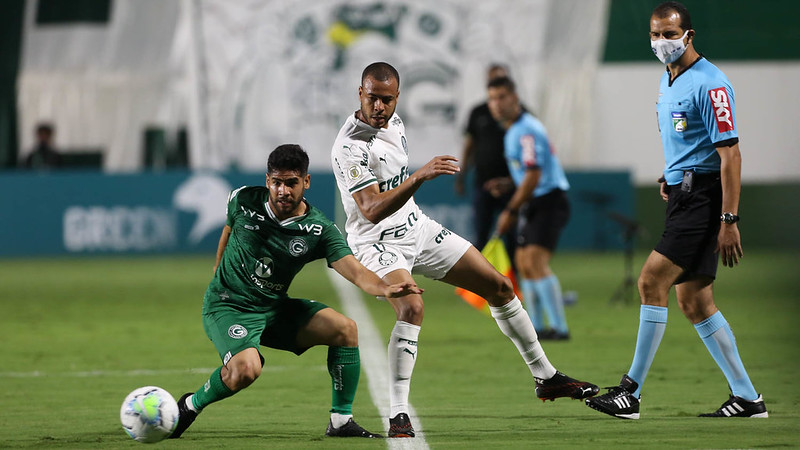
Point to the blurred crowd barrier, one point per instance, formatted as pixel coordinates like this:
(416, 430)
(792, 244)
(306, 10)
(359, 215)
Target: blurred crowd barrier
(84, 213)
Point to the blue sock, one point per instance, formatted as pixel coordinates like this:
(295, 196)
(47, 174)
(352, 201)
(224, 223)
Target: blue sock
(552, 290)
(652, 324)
(545, 289)
(532, 304)
(718, 337)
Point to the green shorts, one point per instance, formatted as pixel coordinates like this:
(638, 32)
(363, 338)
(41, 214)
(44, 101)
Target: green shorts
(233, 330)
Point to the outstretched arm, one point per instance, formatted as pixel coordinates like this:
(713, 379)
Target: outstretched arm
(355, 272)
(376, 205)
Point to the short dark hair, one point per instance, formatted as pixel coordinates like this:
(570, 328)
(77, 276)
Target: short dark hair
(497, 66)
(288, 157)
(381, 71)
(505, 82)
(663, 10)
(45, 127)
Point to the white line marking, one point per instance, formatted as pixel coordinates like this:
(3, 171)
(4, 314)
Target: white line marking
(374, 360)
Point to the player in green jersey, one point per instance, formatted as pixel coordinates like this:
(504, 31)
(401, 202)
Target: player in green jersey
(270, 234)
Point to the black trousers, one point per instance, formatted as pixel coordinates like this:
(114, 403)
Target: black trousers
(486, 208)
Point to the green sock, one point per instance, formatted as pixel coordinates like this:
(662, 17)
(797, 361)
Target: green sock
(344, 365)
(213, 391)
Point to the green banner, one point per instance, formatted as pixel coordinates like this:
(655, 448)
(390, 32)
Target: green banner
(730, 30)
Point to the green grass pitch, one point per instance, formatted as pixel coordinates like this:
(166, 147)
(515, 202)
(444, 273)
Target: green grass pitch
(79, 334)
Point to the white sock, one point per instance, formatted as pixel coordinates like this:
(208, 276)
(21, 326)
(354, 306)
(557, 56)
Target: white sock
(402, 357)
(189, 403)
(337, 420)
(515, 323)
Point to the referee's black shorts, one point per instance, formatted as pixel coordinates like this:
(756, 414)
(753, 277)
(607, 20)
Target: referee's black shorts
(542, 220)
(691, 227)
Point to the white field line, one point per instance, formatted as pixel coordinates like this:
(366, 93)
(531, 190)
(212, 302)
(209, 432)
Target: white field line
(374, 360)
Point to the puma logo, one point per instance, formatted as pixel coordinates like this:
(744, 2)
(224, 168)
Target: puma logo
(413, 354)
(381, 158)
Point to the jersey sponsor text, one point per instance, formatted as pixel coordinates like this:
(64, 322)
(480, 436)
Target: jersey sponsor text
(395, 181)
(399, 231)
(722, 109)
(313, 228)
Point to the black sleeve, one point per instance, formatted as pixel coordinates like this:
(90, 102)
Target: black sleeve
(471, 125)
(727, 142)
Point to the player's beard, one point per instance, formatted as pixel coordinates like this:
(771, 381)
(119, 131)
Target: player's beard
(376, 120)
(287, 206)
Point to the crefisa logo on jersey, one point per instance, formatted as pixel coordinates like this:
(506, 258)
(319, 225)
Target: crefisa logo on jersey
(298, 247)
(679, 121)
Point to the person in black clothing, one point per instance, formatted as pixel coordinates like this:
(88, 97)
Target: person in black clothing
(44, 154)
(483, 150)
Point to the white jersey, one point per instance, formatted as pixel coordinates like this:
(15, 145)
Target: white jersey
(363, 156)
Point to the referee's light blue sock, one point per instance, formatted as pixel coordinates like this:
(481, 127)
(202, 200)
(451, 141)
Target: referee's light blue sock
(548, 293)
(558, 302)
(718, 337)
(532, 304)
(652, 324)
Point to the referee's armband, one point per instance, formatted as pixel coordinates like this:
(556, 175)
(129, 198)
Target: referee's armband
(727, 142)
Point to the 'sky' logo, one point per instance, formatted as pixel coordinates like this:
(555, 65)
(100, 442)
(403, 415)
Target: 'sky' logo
(722, 109)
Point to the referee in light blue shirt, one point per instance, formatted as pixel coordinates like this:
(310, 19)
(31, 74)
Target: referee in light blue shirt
(700, 183)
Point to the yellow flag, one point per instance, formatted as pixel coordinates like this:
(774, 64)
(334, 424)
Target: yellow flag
(495, 253)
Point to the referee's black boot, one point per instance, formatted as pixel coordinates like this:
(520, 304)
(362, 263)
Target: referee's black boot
(739, 407)
(619, 401)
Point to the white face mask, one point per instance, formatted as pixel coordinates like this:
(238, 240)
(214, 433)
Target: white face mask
(669, 50)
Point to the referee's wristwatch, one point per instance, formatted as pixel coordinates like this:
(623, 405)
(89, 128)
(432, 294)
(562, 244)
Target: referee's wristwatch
(728, 218)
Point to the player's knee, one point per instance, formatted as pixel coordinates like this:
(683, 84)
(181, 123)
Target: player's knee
(503, 291)
(696, 309)
(688, 308)
(347, 334)
(648, 286)
(411, 311)
(242, 374)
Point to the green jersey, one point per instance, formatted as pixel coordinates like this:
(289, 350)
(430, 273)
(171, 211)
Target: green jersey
(263, 254)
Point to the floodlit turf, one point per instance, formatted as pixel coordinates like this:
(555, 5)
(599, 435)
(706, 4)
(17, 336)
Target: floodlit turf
(79, 334)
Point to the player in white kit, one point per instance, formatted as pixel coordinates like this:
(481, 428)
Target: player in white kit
(391, 236)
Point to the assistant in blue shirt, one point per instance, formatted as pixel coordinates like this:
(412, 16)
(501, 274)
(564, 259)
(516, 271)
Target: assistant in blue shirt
(527, 147)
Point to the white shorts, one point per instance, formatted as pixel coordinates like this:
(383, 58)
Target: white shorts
(431, 250)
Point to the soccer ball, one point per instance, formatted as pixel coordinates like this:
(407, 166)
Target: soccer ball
(149, 414)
